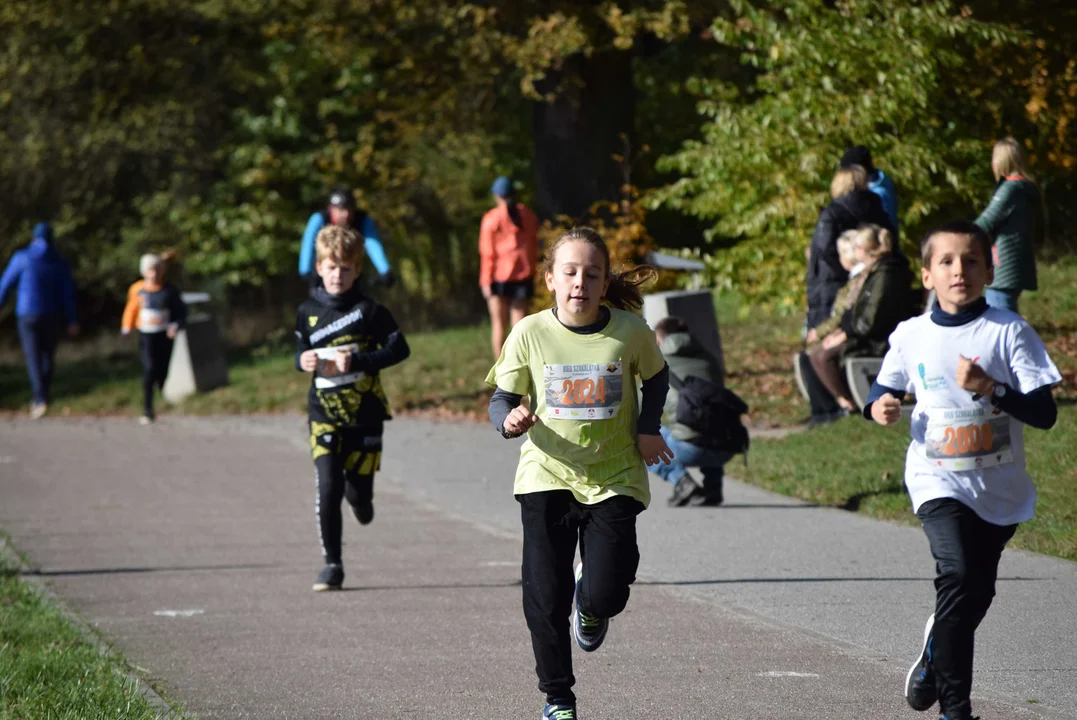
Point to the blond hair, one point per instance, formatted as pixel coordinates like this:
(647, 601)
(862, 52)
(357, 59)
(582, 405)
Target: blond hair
(874, 240)
(848, 179)
(847, 247)
(1008, 158)
(340, 243)
(147, 261)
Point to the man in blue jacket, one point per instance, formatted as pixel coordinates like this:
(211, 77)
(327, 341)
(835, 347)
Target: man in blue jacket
(878, 181)
(342, 211)
(46, 298)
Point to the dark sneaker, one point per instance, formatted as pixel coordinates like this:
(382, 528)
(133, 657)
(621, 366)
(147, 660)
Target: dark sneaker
(364, 512)
(588, 631)
(330, 578)
(559, 712)
(920, 690)
(683, 492)
(708, 499)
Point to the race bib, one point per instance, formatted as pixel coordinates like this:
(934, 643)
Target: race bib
(973, 438)
(152, 321)
(327, 375)
(583, 392)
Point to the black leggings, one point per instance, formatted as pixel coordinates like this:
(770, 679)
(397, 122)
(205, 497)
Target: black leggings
(345, 460)
(553, 522)
(156, 352)
(967, 550)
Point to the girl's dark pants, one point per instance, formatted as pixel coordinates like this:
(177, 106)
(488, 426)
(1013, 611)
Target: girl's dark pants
(967, 550)
(156, 351)
(553, 522)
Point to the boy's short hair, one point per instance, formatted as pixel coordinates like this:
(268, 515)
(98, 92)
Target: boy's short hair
(670, 325)
(148, 261)
(957, 227)
(340, 243)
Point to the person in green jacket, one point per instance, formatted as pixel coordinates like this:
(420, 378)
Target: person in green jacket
(1010, 220)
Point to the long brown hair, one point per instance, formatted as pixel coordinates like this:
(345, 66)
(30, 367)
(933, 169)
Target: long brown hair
(623, 292)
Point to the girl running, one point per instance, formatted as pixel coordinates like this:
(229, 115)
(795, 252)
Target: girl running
(582, 475)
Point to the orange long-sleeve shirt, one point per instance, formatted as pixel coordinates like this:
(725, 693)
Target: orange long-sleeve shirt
(507, 253)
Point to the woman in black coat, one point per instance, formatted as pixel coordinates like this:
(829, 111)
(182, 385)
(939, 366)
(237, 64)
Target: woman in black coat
(852, 205)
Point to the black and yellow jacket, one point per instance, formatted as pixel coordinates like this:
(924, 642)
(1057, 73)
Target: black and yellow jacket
(368, 330)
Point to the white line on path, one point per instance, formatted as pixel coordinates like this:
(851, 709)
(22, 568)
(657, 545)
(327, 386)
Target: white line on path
(786, 673)
(179, 613)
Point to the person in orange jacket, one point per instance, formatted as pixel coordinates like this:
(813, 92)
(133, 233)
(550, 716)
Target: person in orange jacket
(156, 309)
(508, 251)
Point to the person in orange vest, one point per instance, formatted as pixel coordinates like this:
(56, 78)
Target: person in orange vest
(508, 251)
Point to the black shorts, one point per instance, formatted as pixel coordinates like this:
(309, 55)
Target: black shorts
(518, 290)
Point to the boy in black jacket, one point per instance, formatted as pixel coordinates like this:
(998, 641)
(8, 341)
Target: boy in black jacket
(345, 339)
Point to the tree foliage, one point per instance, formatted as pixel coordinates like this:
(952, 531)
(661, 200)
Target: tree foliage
(896, 76)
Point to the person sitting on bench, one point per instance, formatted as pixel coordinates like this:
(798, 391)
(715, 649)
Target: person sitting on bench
(881, 303)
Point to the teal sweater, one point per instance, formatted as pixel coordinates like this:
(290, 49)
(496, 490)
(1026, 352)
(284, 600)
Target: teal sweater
(1010, 220)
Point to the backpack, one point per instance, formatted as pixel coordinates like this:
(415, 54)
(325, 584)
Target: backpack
(712, 411)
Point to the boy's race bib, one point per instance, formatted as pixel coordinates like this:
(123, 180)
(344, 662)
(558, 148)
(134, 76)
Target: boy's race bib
(583, 392)
(152, 321)
(327, 375)
(969, 438)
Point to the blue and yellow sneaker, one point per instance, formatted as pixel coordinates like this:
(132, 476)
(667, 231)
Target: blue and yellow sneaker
(920, 690)
(559, 712)
(589, 631)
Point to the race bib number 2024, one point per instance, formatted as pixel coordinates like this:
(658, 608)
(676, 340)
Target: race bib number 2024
(591, 391)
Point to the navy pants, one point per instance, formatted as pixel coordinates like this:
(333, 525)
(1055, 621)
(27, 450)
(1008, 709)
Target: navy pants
(39, 335)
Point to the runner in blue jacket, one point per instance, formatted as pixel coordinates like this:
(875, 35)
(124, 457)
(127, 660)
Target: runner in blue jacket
(342, 211)
(46, 298)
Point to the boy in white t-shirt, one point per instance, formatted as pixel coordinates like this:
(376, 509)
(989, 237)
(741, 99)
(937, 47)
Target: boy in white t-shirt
(980, 375)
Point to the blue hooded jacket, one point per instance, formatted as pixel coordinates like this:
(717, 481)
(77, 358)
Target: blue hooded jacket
(880, 184)
(44, 281)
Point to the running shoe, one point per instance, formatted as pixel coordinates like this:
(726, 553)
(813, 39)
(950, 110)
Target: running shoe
(559, 712)
(589, 631)
(683, 492)
(920, 690)
(330, 578)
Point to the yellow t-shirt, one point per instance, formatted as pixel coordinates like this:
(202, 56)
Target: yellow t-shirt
(583, 390)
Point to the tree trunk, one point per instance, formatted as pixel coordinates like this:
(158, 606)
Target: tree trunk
(579, 132)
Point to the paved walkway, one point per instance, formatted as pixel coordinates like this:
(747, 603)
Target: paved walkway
(192, 546)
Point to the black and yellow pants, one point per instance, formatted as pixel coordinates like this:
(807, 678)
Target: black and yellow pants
(345, 460)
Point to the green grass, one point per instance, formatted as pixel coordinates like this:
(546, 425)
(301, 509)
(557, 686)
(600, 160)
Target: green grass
(48, 669)
(859, 466)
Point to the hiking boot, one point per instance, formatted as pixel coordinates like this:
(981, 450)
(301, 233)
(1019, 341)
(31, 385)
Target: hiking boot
(330, 578)
(920, 690)
(559, 712)
(589, 631)
(683, 492)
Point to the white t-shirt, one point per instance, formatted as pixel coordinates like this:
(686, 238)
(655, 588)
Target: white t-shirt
(963, 448)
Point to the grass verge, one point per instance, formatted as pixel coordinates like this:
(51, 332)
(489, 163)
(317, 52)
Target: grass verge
(49, 669)
(859, 466)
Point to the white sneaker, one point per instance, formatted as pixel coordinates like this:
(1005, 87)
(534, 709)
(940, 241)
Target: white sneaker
(38, 410)
(145, 420)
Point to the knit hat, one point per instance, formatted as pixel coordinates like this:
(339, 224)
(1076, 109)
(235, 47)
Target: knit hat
(858, 155)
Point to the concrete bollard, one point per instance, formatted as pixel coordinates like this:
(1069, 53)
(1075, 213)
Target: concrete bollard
(197, 363)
